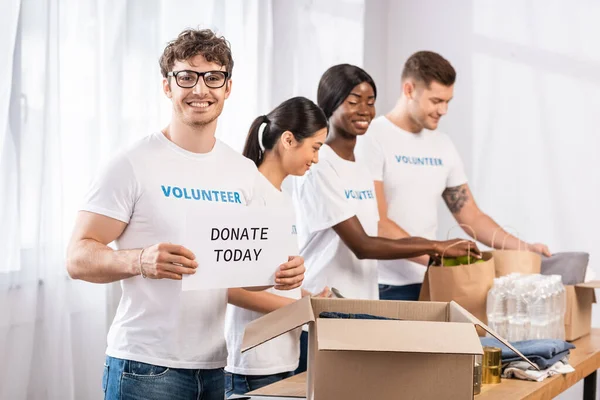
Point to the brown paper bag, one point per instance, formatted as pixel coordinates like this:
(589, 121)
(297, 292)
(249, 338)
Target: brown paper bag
(524, 262)
(521, 261)
(468, 285)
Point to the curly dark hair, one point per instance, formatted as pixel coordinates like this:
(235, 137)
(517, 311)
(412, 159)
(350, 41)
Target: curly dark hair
(192, 42)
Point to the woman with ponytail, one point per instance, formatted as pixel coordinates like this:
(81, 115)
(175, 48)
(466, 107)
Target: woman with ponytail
(284, 142)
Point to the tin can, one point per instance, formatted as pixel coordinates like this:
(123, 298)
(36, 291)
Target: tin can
(491, 371)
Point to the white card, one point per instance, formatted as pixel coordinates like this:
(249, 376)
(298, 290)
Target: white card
(238, 246)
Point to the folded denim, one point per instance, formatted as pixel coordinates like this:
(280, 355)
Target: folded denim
(541, 362)
(339, 315)
(543, 352)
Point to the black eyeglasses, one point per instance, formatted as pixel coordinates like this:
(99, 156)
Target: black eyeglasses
(188, 79)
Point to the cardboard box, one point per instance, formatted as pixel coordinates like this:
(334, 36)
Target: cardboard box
(578, 314)
(428, 354)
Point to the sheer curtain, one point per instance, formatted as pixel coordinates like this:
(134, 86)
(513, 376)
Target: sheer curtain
(538, 138)
(85, 84)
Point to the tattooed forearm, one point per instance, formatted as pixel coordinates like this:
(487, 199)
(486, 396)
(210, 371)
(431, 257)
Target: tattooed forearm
(456, 198)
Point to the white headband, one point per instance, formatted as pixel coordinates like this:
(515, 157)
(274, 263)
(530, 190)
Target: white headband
(261, 130)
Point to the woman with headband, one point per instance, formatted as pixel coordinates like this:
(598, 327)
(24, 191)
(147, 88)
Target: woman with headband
(336, 205)
(284, 142)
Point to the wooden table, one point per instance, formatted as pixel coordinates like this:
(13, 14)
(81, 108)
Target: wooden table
(585, 359)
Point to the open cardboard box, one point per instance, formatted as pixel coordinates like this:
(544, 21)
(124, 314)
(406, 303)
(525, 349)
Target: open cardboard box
(578, 314)
(428, 354)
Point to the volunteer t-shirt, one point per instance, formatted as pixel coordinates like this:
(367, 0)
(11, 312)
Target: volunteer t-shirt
(331, 192)
(415, 169)
(282, 353)
(150, 187)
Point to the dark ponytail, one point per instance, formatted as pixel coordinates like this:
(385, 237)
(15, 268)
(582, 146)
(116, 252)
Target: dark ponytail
(252, 148)
(299, 115)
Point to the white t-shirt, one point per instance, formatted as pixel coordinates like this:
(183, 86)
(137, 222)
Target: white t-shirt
(282, 353)
(331, 192)
(415, 169)
(150, 187)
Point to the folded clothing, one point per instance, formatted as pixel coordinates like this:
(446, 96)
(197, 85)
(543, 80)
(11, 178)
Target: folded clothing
(339, 315)
(522, 370)
(544, 363)
(543, 352)
(571, 266)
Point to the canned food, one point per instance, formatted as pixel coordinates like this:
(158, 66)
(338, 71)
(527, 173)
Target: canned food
(491, 370)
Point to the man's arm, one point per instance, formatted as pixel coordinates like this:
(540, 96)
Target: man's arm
(388, 228)
(461, 204)
(88, 256)
(90, 259)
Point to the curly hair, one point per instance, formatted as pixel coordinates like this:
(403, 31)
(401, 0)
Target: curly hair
(192, 42)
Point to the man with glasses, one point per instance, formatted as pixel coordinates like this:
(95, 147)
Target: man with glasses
(165, 343)
(189, 79)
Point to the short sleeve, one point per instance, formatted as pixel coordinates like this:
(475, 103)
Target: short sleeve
(320, 199)
(370, 153)
(114, 192)
(456, 174)
(258, 193)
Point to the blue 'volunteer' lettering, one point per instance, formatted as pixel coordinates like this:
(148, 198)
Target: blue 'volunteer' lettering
(359, 194)
(436, 162)
(201, 194)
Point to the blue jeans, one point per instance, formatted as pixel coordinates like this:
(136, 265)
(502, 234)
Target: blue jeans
(132, 380)
(242, 384)
(303, 362)
(406, 292)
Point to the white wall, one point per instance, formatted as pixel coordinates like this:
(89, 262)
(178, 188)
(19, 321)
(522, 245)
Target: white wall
(309, 37)
(394, 31)
(525, 106)
(296, 42)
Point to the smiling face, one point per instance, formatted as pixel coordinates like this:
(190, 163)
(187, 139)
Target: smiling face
(357, 111)
(200, 105)
(297, 157)
(428, 104)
